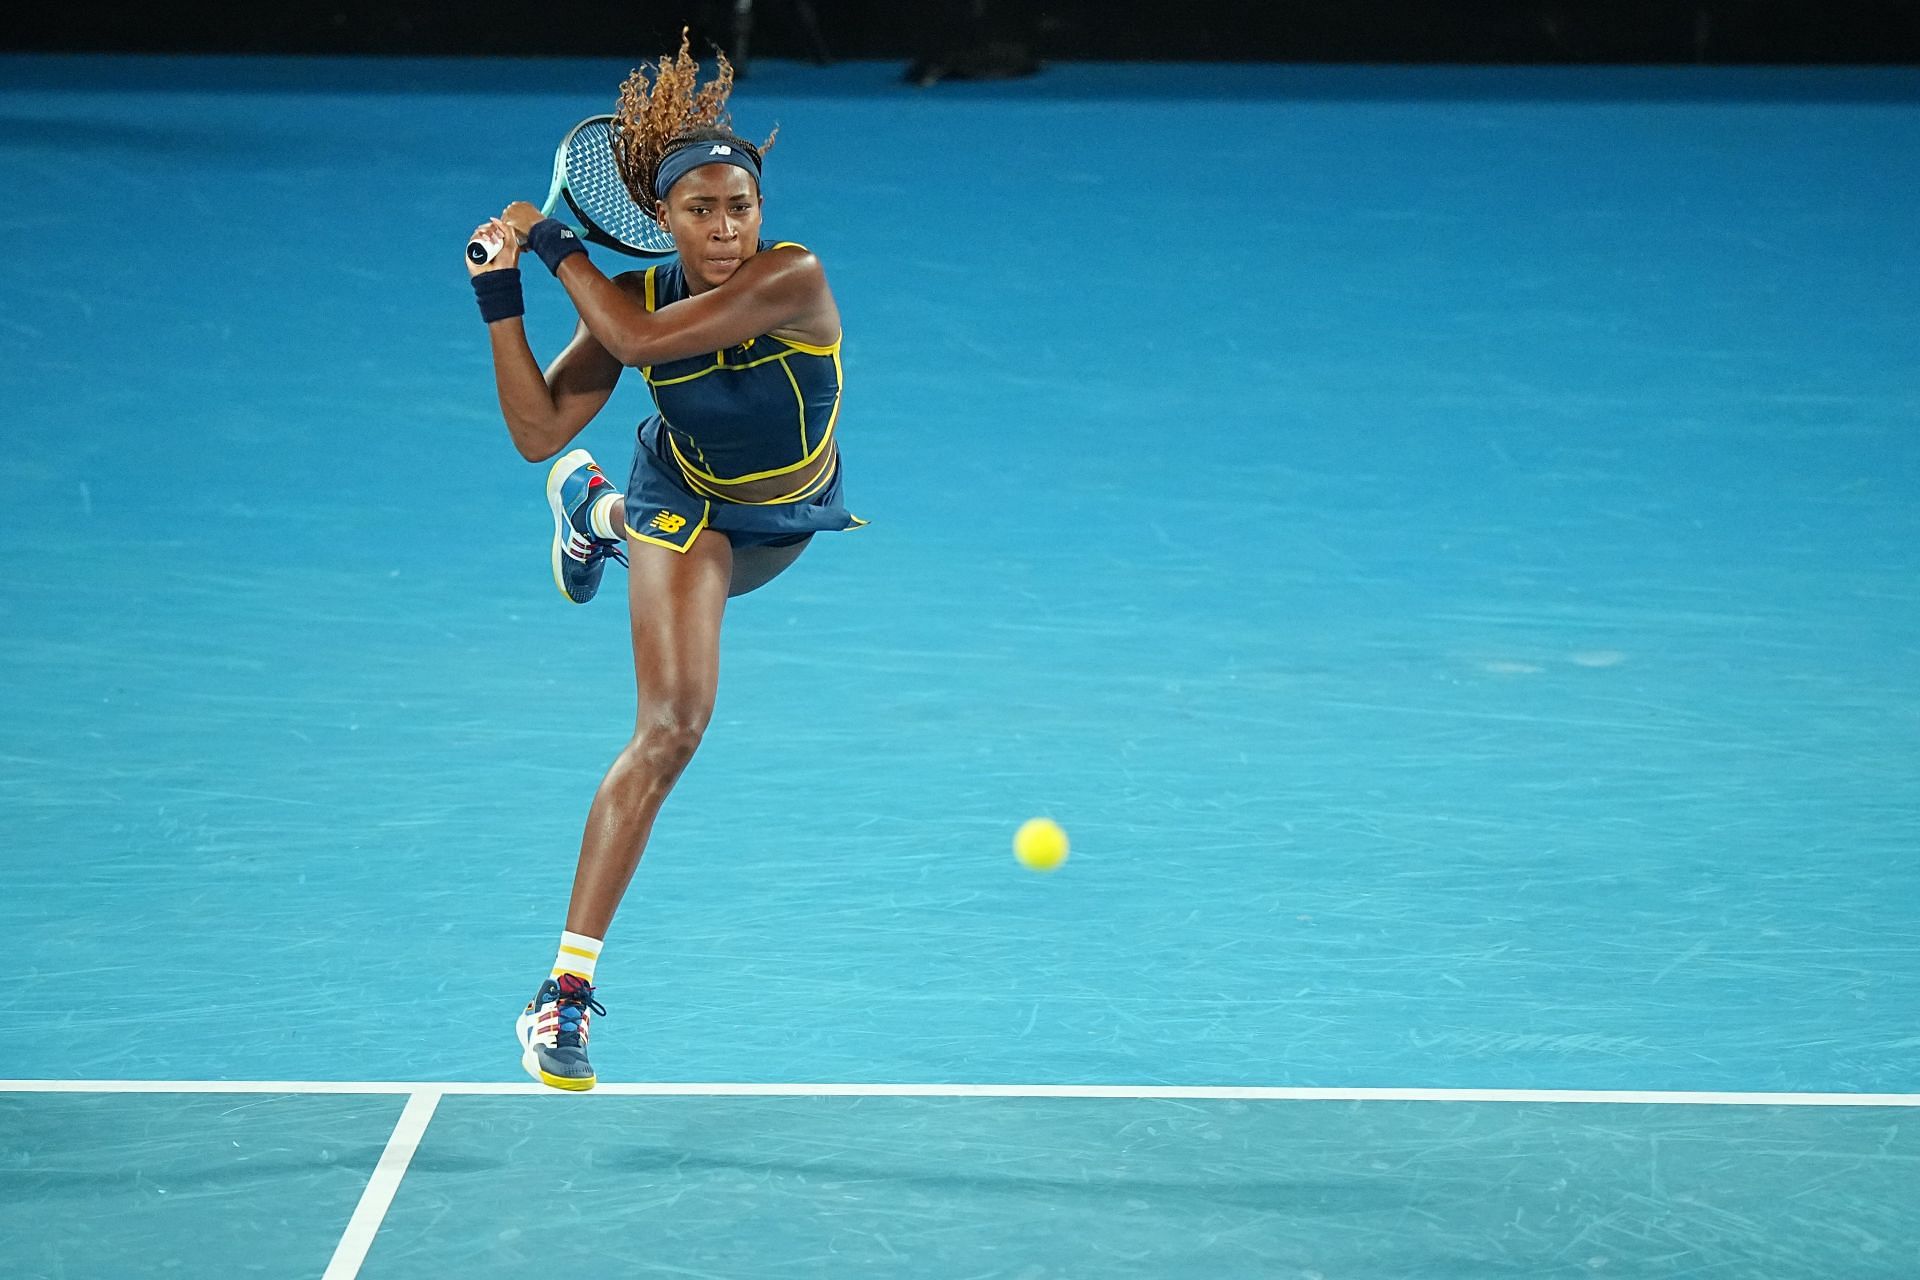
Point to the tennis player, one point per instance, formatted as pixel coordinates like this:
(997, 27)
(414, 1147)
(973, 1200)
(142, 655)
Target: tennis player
(739, 342)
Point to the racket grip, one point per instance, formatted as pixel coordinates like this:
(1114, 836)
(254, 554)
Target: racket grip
(482, 250)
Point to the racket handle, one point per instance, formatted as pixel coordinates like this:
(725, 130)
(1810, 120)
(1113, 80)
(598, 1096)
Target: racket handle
(482, 250)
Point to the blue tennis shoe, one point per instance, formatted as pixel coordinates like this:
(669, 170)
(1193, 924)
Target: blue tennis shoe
(553, 1033)
(574, 486)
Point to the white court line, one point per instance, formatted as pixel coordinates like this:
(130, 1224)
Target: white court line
(1235, 1093)
(374, 1201)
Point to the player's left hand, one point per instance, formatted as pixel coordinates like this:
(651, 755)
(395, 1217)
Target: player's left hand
(521, 216)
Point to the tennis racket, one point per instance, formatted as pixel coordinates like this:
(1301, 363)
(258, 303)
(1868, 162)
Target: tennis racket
(587, 178)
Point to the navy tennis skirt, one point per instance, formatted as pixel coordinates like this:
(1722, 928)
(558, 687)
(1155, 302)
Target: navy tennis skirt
(661, 510)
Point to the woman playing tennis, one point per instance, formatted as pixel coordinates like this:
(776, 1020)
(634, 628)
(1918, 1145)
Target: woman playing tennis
(739, 342)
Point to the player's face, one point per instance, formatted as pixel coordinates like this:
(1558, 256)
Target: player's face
(714, 215)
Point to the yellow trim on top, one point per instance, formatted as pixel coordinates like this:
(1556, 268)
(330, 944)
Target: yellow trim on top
(671, 430)
(826, 437)
(808, 349)
(646, 370)
(839, 386)
(812, 485)
(578, 951)
(812, 456)
(799, 402)
(719, 363)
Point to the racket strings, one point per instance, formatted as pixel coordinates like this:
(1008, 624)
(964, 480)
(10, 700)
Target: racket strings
(600, 195)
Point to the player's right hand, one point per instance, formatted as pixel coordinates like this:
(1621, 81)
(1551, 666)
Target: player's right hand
(494, 232)
(522, 217)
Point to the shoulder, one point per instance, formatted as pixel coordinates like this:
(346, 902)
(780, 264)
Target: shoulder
(793, 253)
(789, 267)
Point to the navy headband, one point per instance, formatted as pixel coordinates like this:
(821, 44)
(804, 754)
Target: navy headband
(684, 160)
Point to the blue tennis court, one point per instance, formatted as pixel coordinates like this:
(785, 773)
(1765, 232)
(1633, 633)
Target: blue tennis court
(1443, 542)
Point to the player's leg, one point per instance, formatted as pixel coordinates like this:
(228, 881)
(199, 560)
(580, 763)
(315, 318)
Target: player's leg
(755, 567)
(676, 602)
(589, 520)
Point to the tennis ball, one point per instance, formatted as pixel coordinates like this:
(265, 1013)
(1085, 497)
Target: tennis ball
(1040, 844)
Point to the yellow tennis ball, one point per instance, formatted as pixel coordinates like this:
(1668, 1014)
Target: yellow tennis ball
(1040, 844)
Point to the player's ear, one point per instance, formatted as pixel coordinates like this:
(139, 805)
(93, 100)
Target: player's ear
(660, 212)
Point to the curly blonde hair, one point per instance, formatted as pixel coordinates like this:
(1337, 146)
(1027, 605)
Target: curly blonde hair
(672, 111)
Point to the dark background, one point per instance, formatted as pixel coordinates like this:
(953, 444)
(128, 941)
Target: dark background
(998, 36)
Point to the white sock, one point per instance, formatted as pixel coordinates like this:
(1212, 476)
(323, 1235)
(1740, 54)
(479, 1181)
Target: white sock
(600, 521)
(578, 955)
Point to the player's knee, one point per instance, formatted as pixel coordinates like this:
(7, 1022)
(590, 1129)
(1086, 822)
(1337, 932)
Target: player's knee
(669, 732)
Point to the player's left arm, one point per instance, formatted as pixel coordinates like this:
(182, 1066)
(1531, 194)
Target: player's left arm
(782, 290)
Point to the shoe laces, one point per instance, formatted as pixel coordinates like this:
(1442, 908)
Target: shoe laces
(576, 995)
(592, 551)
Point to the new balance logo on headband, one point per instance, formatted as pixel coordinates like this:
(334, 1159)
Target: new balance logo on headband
(681, 161)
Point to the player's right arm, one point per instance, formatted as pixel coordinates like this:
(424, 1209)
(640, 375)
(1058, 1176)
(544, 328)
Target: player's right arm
(543, 411)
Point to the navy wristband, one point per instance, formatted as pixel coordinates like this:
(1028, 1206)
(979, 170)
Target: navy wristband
(499, 294)
(553, 241)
